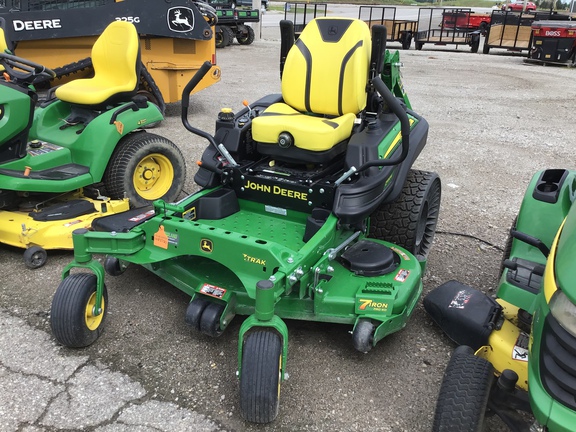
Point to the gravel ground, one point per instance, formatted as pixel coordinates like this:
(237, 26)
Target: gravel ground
(494, 121)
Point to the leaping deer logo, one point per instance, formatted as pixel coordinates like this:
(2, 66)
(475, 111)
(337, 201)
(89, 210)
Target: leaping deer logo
(181, 19)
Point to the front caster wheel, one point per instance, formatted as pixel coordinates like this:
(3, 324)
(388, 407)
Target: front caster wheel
(210, 319)
(260, 377)
(113, 266)
(363, 335)
(194, 312)
(73, 319)
(35, 257)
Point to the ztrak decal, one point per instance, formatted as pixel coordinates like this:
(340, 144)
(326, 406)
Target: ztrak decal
(276, 190)
(254, 260)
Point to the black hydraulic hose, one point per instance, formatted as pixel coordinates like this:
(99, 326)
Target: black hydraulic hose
(397, 108)
(206, 66)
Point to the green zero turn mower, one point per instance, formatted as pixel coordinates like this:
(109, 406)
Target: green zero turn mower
(517, 352)
(81, 153)
(309, 209)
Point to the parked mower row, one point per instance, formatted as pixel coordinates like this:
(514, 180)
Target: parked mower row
(309, 208)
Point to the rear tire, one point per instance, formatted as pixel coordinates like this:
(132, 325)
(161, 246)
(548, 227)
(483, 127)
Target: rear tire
(245, 35)
(222, 39)
(71, 317)
(406, 41)
(145, 167)
(464, 393)
(231, 34)
(410, 221)
(260, 378)
(475, 44)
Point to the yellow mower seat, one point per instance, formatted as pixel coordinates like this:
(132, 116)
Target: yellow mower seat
(116, 62)
(323, 86)
(3, 45)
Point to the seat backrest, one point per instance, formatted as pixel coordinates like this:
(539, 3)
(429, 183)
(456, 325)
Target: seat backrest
(116, 62)
(3, 43)
(326, 71)
(116, 55)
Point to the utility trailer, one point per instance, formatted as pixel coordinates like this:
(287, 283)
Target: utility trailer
(232, 23)
(176, 38)
(397, 30)
(432, 28)
(513, 30)
(553, 42)
(301, 13)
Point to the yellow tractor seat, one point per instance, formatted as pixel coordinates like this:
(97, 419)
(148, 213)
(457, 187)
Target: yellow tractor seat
(116, 62)
(3, 45)
(324, 85)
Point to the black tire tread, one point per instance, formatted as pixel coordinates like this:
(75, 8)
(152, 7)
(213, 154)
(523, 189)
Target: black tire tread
(249, 38)
(363, 335)
(125, 153)
(35, 257)
(260, 376)
(231, 34)
(221, 37)
(463, 393)
(396, 222)
(67, 312)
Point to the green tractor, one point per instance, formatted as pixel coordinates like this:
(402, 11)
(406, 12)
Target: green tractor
(517, 352)
(309, 209)
(81, 152)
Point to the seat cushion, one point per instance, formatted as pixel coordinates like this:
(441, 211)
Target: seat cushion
(324, 83)
(309, 132)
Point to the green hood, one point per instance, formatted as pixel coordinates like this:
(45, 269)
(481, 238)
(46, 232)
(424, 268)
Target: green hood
(565, 268)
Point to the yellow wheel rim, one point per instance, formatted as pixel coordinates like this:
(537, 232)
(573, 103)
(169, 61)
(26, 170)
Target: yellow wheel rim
(93, 321)
(153, 176)
(279, 375)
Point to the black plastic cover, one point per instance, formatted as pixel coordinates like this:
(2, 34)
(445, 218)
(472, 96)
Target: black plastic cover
(465, 314)
(368, 258)
(123, 222)
(67, 210)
